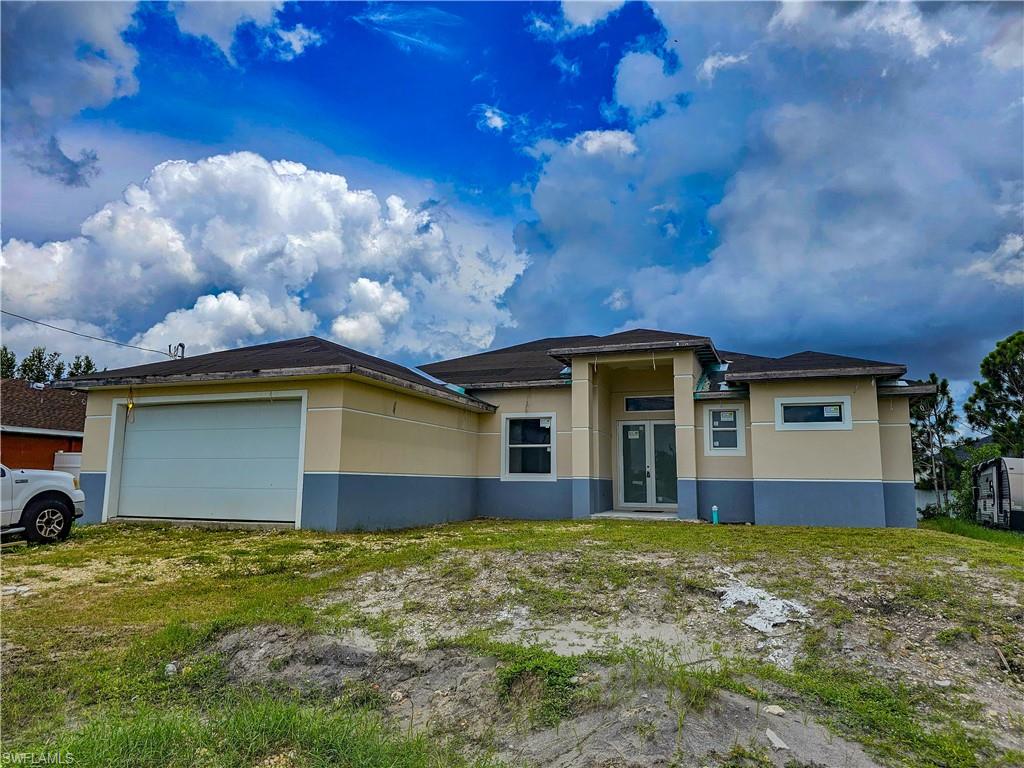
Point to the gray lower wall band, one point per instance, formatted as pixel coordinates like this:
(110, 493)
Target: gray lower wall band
(524, 500)
(686, 498)
(839, 503)
(900, 505)
(379, 502)
(93, 485)
(734, 499)
(337, 502)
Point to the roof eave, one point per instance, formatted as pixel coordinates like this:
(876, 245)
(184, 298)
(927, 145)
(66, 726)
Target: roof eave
(276, 373)
(911, 390)
(483, 385)
(565, 354)
(817, 373)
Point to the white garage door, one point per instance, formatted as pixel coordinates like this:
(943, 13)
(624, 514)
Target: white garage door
(212, 461)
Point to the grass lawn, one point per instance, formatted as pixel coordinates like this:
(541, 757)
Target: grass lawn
(1013, 539)
(912, 649)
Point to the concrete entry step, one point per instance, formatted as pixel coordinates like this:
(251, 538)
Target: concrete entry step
(634, 515)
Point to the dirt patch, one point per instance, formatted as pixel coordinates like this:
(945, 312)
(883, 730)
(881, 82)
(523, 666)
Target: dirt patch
(574, 602)
(452, 692)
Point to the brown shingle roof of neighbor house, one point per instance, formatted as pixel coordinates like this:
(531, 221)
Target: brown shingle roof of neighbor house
(307, 356)
(808, 365)
(543, 360)
(47, 408)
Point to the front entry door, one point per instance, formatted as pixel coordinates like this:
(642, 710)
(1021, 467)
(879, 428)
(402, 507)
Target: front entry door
(647, 461)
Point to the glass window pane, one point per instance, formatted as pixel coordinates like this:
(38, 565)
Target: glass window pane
(825, 413)
(665, 403)
(634, 463)
(529, 461)
(665, 464)
(529, 431)
(723, 438)
(723, 418)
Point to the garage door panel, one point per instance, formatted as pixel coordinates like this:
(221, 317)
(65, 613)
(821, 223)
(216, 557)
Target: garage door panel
(222, 443)
(262, 505)
(231, 415)
(211, 473)
(214, 461)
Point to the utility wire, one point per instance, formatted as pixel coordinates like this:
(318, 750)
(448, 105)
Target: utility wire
(86, 335)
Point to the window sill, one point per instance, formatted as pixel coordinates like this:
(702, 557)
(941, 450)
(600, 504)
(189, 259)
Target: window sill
(528, 478)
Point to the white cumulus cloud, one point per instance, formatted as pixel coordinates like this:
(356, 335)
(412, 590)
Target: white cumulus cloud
(219, 21)
(605, 143)
(587, 14)
(288, 250)
(1004, 266)
(716, 61)
(373, 308)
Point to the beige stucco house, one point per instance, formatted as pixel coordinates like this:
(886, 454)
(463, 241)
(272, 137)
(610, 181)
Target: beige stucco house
(316, 435)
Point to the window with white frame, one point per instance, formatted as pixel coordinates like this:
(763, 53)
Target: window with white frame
(724, 430)
(813, 413)
(528, 446)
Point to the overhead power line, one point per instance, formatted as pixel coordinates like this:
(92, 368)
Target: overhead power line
(86, 335)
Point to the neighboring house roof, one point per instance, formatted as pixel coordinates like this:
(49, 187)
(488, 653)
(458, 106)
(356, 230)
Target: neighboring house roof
(307, 356)
(808, 364)
(543, 360)
(47, 409)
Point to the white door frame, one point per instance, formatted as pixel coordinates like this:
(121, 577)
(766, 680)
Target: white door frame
(119, 423)
(651, 502)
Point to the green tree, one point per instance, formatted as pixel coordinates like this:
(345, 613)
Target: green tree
(40, 366)
(8, 363)
(963, 488)
(81, 365)
(933, 428)
(997, 404)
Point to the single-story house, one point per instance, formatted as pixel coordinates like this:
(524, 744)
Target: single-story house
(313, 434)
(36, 422)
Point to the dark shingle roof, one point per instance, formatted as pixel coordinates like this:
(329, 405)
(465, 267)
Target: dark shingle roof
(23, 406)
(523, 362)
(544, 359)
(309, 354)
(808, 364)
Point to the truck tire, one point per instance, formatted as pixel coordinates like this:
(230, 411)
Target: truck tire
(46, 520)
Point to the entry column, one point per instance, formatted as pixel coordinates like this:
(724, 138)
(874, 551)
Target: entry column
(683, 365)
(581, 462)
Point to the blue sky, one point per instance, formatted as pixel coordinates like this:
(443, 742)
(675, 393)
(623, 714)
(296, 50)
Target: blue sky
(426, 180)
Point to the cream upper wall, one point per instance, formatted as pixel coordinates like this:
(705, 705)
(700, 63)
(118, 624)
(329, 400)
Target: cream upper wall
(390, 432)
(322, 439)
(853, 454)
(556, 400)
(894, 435)
(351, 426)
(722, 467)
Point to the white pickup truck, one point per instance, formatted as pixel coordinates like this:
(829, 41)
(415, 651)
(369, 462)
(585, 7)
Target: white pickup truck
(38, 504)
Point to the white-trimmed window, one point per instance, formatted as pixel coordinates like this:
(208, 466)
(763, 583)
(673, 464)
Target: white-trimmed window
(813, 413)
(528, 442)
(724, 430)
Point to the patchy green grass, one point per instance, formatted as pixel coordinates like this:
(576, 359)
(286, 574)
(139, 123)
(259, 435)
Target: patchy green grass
(85, 651)
(975, 531)
(542, 685)
(246, 731)
(887, 716)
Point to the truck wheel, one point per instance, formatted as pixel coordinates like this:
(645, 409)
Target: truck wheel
(47, 520)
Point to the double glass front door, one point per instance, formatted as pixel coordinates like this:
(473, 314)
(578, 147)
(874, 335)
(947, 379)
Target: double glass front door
(647, 456)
